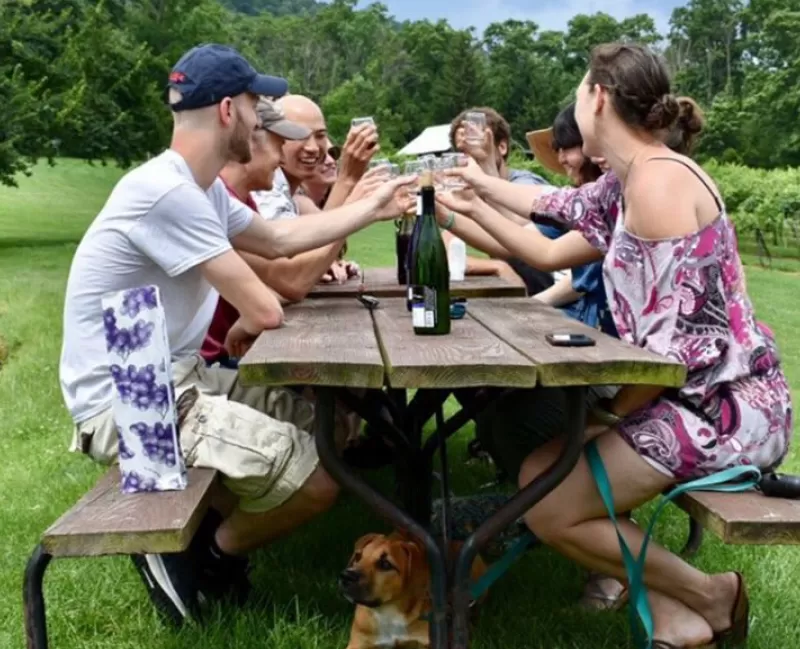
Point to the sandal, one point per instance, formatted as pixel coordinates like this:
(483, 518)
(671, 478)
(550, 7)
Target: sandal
(736, 636)
(594, 598)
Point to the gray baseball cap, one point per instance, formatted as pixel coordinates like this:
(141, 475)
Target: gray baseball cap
(273, 119)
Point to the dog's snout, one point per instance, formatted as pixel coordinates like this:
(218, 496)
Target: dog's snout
(349, 576)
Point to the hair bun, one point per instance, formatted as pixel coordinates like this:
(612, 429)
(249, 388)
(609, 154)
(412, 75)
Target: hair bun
(691, 119)
(663, 113)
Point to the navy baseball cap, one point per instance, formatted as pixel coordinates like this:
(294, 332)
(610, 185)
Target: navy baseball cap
(208, 73)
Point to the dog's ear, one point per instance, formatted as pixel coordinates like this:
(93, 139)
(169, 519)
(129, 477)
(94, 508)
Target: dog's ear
(415, 558)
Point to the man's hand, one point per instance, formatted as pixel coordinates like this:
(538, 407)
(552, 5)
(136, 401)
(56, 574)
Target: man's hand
(336, 273)
(238, 340)
(392, 198)
(484, 153)
(359, 148)
(340, 271)
(369, 182)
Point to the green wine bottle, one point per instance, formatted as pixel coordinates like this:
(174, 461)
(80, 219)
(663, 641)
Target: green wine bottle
(430, 274)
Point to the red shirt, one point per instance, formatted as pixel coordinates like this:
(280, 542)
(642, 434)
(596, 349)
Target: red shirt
(213, 350)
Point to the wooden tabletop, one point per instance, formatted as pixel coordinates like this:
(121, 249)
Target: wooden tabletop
(382, 282)
(500, 342)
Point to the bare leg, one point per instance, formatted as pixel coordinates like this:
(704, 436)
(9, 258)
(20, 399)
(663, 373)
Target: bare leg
(583, 532)
(244, 531)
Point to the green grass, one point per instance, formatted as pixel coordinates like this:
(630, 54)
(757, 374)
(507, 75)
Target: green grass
(99, 603)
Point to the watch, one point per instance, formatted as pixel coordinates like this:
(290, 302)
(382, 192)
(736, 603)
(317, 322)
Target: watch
(602, 412)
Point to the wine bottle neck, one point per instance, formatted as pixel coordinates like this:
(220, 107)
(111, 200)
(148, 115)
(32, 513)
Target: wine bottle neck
(428, 201)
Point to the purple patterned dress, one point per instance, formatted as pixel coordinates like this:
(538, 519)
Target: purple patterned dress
(684, 298)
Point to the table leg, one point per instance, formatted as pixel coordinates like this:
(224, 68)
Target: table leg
(524, 500)
(339, 471)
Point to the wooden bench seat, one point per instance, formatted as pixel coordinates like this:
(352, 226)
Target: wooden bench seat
(747, 518)
(106, 521)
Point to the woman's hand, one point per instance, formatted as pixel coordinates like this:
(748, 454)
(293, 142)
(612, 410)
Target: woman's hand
(463, 201)
(471, 174)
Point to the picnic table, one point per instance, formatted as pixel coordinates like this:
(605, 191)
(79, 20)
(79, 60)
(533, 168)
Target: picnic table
(382, 282)
(337, 344)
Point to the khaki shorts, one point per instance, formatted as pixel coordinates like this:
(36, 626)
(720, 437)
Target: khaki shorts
(255, 437)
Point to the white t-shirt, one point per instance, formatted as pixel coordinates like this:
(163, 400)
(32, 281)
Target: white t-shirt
(155, 228)
(277, 203)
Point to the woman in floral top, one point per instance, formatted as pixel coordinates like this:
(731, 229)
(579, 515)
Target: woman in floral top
(676, 286)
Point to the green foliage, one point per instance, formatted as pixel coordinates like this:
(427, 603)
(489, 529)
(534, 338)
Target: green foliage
(760, 199)
(85, 79)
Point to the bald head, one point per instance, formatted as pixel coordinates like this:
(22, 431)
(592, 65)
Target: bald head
(300, 158)
(299, 108)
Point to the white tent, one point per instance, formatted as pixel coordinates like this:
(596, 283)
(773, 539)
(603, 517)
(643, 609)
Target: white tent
(434, 139)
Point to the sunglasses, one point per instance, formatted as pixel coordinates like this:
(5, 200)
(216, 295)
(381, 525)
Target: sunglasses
(335, 152)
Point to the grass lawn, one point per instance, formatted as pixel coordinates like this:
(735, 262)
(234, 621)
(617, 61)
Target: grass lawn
(100, 603)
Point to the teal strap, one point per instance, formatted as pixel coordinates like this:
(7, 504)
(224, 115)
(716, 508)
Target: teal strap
(740, 478)
(499, 567)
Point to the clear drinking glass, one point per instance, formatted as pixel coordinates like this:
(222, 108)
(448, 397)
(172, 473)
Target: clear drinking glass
(413, 168)
(358, 121)
(451, 161)
(475, 128)
(381, 162)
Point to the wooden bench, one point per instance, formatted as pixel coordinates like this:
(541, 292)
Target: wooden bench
(106, 522)
(748, 518)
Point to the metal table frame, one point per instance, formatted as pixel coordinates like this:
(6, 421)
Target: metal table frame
(450, 589)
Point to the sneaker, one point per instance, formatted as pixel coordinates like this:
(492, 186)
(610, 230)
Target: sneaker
(170, 583)
(219, 577)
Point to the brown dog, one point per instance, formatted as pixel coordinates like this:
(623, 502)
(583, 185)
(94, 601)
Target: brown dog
(388, 580)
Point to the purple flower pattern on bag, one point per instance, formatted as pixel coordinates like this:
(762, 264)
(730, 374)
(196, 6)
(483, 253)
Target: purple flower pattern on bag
(144, 395)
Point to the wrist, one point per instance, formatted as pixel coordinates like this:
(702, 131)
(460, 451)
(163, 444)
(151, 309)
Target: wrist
(448, 221)
(250, 328)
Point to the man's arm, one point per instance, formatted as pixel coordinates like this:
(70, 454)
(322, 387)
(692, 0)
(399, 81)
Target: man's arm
(286, 238)
(235, 281)
(294, 278)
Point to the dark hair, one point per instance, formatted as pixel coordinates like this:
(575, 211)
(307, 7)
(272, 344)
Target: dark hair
(567, 135)
(638, 83)
(684, 133)
(501, 131)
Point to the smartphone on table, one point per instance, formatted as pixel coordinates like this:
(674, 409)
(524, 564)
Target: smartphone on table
(569, 340)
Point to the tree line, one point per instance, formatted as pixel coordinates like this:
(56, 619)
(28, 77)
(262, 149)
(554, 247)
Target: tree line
(85, 78)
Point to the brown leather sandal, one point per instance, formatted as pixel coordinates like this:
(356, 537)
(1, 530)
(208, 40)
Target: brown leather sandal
(736, 636)
(594, 598)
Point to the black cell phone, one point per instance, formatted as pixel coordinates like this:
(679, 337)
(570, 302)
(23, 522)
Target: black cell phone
(569, 340)
(368, 301)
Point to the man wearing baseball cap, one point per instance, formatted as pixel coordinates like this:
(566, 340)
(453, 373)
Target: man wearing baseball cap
(171, 223)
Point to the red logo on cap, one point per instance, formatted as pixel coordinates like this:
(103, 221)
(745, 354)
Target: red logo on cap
(177, 77)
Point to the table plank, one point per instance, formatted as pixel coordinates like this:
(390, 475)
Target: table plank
(322, 342)
(523, 324)
(382, 282)
(470, 356)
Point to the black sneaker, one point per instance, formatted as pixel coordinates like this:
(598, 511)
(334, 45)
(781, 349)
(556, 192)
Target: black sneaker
(169, 579)
(219, 576)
